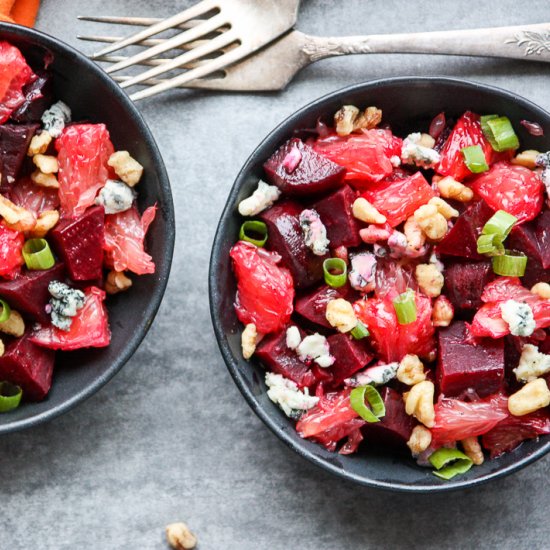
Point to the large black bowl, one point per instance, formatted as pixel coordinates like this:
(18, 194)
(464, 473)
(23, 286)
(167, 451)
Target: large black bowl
(93, 96)
(408, 104)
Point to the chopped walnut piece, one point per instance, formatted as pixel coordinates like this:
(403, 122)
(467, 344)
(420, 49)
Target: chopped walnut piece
(46, 220)
(2, 348)
(444, 208)
(180, 537)
(369, 119)
(526, 158)
(44, 180)
(533, 396)
(344, 119)
(363, 210)
(452, 189)
(429, 279)
(420, 403)
(340, 315)
(16, 217)
(39, 143)
(47, 164)
(249, 339)
(117, 281)
(128, 169)
(542, 290)
(442, 312)
(420, 440)
(14, 325)
(472, 449)
(411, 370)
(431, 221)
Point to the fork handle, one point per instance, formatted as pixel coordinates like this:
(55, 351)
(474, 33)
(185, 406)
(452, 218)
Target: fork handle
(517, 42)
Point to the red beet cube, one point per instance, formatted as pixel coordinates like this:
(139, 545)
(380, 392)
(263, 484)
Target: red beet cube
(461, 240)
(394, 429)
(79, 242)
(312, 306)
(351, 356)
(313, 173)
(464, 283)
(335, 211)
(273, 352)
(287, 239)
(28, 293)
(533, 239)
(14, 143)
(28, 366)
(38, 97)
(463, 364)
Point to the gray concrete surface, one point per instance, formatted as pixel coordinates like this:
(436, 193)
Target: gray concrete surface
(170, 438)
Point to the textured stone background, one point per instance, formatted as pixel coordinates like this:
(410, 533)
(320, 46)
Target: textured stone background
(170, 437)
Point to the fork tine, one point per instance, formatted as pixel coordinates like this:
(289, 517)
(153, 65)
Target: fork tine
(148, 62)
(188, 76)
(148, 42)
(173, 42)
(213, 45)
(191, 13)
(136, 21)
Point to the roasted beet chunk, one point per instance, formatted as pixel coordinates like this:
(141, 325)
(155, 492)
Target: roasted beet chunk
(14, 142)
(533, 239)
(335, 211)
(79, 243)
(298, 170)
(28, 366)
(273, 352)
(312, 306)
(287, 239)
(38, 97)
(463, 364)
(461, 240)
(351, 356)
(394, 429)
(28, 293)
(464, 283)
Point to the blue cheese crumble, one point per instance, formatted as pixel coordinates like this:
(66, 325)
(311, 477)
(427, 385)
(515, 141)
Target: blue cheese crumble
(315, 233)
(115, 196)
(285, 393)
(264, 197)
(532, 364)
(413, 152)
(293, 337)
(315, 347)
(519, 317)
(378, 375)
(65, 303)
(55, 118)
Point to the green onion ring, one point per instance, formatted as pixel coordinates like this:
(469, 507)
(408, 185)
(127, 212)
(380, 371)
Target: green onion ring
(6, 311)
(10, 396)
(487, 132)
(500, 133)
(360, 331)
(335, 264)
(510, 264)
(357, 400)
(500, 223)
(474, 158)
(37, 254)
(405, 307)
(449, 463)
(254, 227)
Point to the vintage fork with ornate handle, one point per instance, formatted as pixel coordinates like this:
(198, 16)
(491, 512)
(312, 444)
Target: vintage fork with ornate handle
(274, 66)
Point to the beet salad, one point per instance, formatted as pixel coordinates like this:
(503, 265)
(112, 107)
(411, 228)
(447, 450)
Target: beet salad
(70, 231)
(396, 288)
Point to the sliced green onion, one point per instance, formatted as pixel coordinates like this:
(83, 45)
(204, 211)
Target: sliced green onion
(487, 132)
(494, 233)
(357, 400)
(6, 311)
(37, 254)
(449, 463)
(474, 158)
(252, 229)
(10, 396)
(405, 307)
(360, 331)
(499, 132)
(335, 280)
(511, 264)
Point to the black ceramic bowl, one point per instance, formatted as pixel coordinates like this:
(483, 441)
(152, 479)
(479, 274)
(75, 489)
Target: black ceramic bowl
(408, 104)
(93, 96)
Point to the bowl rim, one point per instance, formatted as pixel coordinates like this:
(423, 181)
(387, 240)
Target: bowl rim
(231, 362)
(162, 274)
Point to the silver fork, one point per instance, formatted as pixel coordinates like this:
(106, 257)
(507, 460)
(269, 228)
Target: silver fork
(232, 28)
(274, 66)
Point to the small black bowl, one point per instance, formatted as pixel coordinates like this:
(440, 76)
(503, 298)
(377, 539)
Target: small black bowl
(94, 96)
(408, 104)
